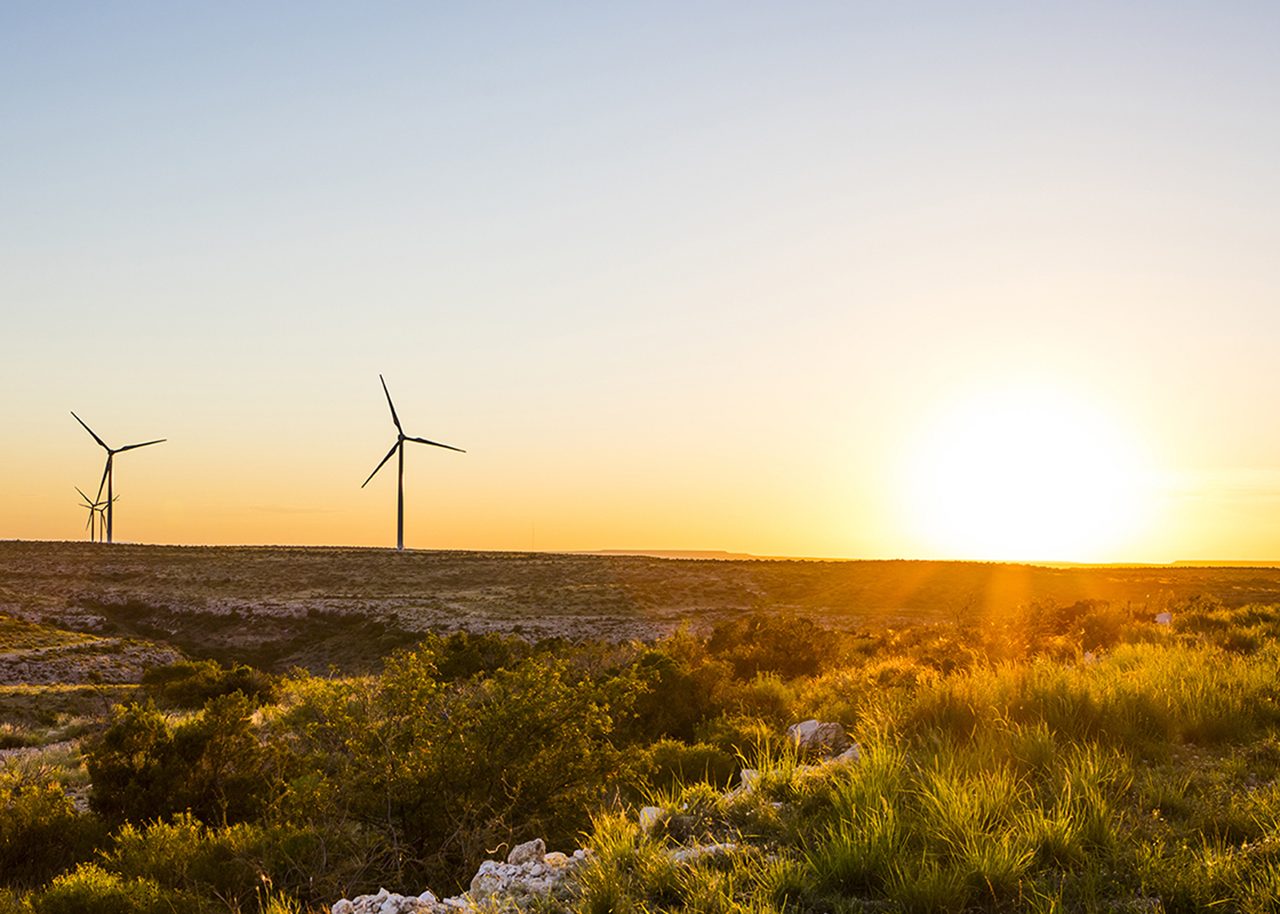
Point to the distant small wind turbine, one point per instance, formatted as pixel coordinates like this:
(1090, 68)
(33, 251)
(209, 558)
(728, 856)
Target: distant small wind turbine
(97, 512)
(398, 448)
(108, 478)
(91, 523)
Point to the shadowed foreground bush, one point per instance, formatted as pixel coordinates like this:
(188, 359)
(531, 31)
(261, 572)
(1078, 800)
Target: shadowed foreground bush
(191, 683)
(147, 766)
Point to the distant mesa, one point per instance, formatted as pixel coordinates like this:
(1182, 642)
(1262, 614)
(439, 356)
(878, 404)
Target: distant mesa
(721, 554)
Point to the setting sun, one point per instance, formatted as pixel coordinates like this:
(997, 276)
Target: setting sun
(1024, 474)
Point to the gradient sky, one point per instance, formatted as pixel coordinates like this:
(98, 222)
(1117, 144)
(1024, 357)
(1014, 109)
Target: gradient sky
(677, 275)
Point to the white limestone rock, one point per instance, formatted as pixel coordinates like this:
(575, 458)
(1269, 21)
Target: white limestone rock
(818, 736)
(849, 756)
(529, 873)
(528, 852)
(701, 852)
(385, 902)
(650, 816)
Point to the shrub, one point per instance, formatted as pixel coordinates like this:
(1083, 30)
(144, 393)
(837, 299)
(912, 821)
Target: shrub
(670, 763)
(783, 643)
(234, 863)
(445, 772)
(12, 737)
(681, 687)
(89, 889)
(144, 767)
(41, 832)
(766, 697)
(461, 655)
(191, 683)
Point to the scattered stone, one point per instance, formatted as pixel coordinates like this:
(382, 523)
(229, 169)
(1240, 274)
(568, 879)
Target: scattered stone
(848, 757)
(528, 852)
(1144, 905)
(701, 852)
(818, 736)
(1165, 618)
(387, 903)
(650, 816)
(529, 873)
(528, 878)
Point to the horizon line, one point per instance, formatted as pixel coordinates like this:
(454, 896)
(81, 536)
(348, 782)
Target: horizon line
(714, 555)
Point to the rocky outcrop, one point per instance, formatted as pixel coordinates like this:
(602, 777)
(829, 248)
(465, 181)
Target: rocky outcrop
(529, 875)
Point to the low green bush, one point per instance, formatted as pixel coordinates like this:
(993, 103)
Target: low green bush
(147, 766)
(41, 831)
(191, 683)
(669, 763)
(89, 889)
(445, 771)
(783, 643)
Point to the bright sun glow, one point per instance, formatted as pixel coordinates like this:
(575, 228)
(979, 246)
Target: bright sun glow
(1024, 475)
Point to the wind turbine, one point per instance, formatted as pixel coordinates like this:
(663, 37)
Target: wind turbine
(398, 449)
(102, 517)
(90, 524)
(107, 476)
(97, 510)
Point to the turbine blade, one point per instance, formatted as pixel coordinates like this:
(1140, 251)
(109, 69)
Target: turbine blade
(130, 447)
(90, 431)
(449, 447)
(379, 466)
(394, 417)
(82, 495)
(102, 484)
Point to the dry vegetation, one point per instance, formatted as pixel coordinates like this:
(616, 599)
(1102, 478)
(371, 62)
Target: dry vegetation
(271, 729)
(290, 601)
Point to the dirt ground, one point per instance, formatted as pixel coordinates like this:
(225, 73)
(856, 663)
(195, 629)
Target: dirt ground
(105, 612)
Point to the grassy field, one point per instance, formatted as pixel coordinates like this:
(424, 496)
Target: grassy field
(244, 730)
